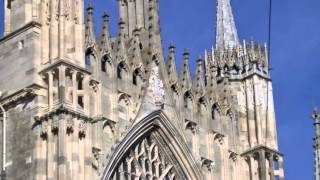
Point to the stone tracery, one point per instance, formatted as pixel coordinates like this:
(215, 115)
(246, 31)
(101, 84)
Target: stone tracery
(145, 161)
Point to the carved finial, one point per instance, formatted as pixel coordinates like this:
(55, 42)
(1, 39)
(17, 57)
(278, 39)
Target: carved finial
(315, 115)
(121, 46)
(105, 44)
(121, 24)
(186, 54)
(90, 37)
(199, 80)
(172, 69)
(90, 8)
(105, 16)
(185, 75)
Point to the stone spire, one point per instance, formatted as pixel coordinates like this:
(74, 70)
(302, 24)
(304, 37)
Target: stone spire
(316, 146)
(90, 38)
(226, 32)
(185, 75)
(199, 80)
(172, 68)
(105, 44)
(121, 41)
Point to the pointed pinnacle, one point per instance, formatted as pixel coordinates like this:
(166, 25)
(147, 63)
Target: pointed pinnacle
(90, 8)
(105, 16)
(171, 46)
(315, 115)
(186, 54)
(199, 60)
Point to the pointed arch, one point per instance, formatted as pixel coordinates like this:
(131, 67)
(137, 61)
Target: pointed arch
(188, 100)
(215, 111)
(138, 77)
(122, 71)
(107, 65)
(156, 132)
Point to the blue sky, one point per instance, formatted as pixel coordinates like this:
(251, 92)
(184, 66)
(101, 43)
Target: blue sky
(295, 58)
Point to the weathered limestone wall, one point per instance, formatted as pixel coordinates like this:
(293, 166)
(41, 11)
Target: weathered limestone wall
(20, 59)
(20, 142)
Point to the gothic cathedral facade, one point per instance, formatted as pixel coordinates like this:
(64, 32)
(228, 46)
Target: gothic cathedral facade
(81, 107)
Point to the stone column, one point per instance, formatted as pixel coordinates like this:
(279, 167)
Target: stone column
(54, 31)
(50, 89)
(250, 114)
(35, 10)
(86, 94)
(281, 173)
(131, 16)
(79, 35)
(62, 29)
(75, 150)
(69, 123)
(62, 84)
(124, 14)
(81, 156)
(252, 167)
(40, 168)
(262, 165)
(51, 151)
(272, 139)
(257, 107)
(271, 166)
(74, 89)
(140, 14)
(45, 33)
(88, 152)
(62, 155)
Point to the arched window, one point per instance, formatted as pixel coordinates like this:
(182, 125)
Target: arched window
(123, 108)
(188, 103)
(174, 89)
(88, 60)
(69, 84)
(121, 71)
(215, 111)
(137, 77)
(56, 85)
(88, 56)
(202, 111)
(103, 66)
(108, 138)
(123, 114)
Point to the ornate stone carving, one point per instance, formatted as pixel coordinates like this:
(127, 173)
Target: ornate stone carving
(44, 129)
(218, 137)
(190, 125)
(209, 164)
(69, 124)
(145, 161)
(55, 125)
(82, 129)
(233, 156)
(156, 86)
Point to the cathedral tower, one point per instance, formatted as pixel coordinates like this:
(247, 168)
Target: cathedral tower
(87, 106)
